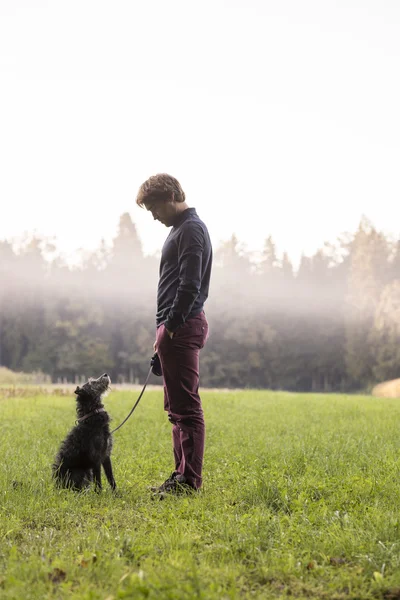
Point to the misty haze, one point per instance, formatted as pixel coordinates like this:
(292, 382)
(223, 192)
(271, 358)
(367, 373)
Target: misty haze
(333, 324)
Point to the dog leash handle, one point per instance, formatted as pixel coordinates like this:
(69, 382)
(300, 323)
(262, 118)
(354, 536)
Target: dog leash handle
(137, 401)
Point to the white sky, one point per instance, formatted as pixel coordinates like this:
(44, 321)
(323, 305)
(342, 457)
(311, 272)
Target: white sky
(277, 117)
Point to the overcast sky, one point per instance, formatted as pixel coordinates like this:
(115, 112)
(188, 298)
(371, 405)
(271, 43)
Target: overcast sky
(277, 117)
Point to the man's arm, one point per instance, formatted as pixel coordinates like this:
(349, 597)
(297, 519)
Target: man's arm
(190, 254)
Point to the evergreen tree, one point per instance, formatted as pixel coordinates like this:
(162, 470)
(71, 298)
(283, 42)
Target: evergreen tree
(367, 275)
(385, 336)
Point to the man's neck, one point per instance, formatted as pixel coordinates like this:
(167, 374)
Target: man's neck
(180, 208)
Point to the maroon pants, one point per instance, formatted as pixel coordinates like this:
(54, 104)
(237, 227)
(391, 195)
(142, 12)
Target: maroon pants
(179, 359)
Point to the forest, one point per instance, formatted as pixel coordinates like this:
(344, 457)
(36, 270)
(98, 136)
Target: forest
(333, 324)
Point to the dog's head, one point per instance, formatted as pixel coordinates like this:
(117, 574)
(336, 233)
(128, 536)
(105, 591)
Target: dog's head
(94, 388)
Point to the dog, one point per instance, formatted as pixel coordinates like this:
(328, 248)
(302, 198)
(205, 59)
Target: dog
(88, 445)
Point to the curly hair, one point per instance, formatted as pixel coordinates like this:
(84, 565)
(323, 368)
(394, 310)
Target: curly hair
(160, 188)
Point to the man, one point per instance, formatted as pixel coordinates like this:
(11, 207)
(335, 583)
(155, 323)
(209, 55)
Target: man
(182, 328)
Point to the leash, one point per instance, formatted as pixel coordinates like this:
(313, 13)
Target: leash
(153, 369)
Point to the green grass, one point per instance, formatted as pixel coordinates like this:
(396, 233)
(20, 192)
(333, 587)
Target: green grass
(300, 499)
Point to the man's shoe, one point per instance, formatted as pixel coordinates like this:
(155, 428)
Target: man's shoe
(167, 482)
(175, 485)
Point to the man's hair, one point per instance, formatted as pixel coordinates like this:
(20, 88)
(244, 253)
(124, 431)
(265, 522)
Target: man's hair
(160, 188)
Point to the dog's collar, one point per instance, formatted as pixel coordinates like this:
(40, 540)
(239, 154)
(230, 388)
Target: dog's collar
(95, 412)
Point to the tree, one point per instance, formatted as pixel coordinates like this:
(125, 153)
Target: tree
(125, 266)
(368, 274)
(385, 335)
(127, 247)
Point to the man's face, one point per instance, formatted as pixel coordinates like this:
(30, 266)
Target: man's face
(162, 211)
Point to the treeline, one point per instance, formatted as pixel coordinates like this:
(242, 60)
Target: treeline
(333, 325)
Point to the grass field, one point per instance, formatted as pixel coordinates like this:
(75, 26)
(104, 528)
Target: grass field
(300, 499)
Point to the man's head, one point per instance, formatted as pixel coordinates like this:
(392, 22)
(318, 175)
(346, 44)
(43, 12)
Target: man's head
(163, 196)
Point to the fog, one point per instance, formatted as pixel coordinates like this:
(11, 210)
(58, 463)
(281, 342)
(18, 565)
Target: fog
(318, 327)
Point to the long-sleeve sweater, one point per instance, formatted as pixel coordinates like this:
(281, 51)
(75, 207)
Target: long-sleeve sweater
(185, 271)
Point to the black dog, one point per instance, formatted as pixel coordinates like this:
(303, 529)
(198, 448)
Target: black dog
(88, 445)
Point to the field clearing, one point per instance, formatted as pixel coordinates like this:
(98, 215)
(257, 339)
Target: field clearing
(387, 389)
(300, 499)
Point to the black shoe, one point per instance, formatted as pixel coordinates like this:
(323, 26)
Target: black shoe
(167, 482)
(176, 485)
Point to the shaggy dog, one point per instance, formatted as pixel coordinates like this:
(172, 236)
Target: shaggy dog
(88, 445)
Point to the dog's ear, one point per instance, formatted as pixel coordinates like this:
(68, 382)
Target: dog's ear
(78, 389)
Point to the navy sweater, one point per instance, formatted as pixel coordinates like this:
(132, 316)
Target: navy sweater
(185, 271)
